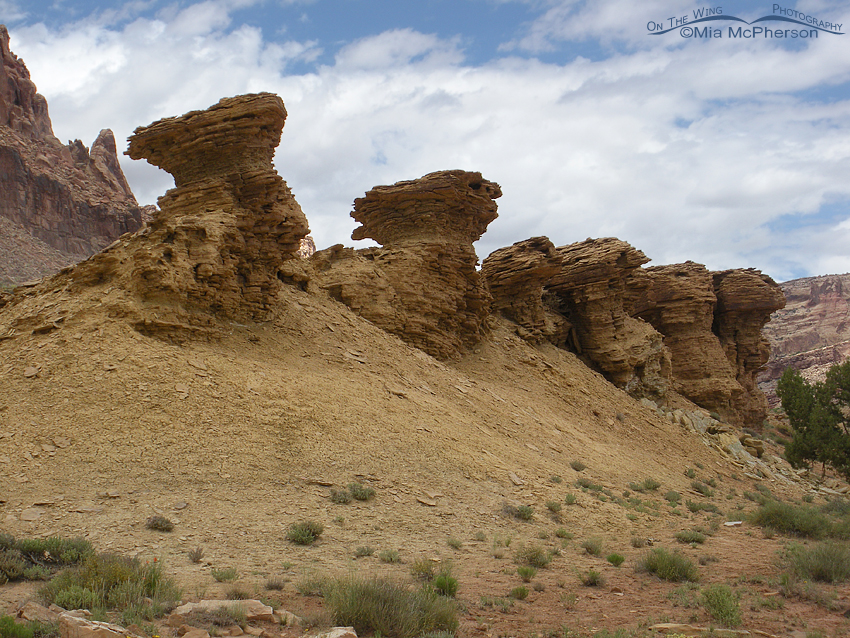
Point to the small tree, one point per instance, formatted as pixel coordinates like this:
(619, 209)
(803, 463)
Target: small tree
(819, 414)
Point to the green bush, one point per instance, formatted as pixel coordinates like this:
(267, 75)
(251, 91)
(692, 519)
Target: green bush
(363, 550)
(525, 512)
(526, 572)
(690, 536)
(361, 492)
(616, 559)
(159, 524)
(389, 556)
(422, 569)
(702, 488)
(305, 532)
(224, 574)
(670, 566)
(373, 604)
(553, 506)
(31, 559)
(827, 562)
(112, 582)
(647, 485)
(519, 593)
(578, 466)
(673, 497)
(340, 497)
(532, 555)
(570, 499)
(561, 532)
(593, 579)
(722, 603)
(808, 522)
(445, 583)
(701, 507)
(592, 546)
(587, 484)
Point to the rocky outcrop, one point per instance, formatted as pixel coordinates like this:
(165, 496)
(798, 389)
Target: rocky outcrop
(515, 277)
(590, 290)
(712, 324)
(812, 332)
(745, 301)
(221, 234)
(74, 200)
(422, 284)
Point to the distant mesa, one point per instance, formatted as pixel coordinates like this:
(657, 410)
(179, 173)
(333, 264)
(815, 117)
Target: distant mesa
(58, 203)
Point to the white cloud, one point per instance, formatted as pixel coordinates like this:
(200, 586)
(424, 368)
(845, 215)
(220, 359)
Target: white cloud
(686, 152)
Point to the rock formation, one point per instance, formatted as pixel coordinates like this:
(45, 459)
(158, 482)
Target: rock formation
(221, 234)
(422, 284)
(812, 333)
(68, 198)
(515, 277)
(711, 323)
(590, 292)
(745, 301)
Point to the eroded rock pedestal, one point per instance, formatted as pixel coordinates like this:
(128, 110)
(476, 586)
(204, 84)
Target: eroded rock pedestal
(220, 236)
(422, 284)
(590, 291)
(712, 324)
(515, 277)
(58, 203)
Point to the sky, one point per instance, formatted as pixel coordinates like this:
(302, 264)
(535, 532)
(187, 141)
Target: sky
(689, 130)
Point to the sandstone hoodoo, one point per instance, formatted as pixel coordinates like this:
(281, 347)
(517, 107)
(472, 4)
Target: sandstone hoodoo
(711, 323)
(422, 284)
(58, 203)
(221, 234)
(745, 301)
(590, 292)
(515, 277)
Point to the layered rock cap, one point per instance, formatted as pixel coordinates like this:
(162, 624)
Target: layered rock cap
(58, 203)
(422, 285)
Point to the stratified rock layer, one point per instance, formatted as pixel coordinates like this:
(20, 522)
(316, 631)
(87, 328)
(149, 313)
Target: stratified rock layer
(812, 332)
(515, 277)
(590, 290)
(220, 236)
(422, 285)
(745, 301)
(71, 199)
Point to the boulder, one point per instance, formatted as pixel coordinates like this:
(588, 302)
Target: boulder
(71, 626)
(254, 610)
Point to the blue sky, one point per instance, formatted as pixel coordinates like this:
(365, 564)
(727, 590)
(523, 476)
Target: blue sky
(730, 151)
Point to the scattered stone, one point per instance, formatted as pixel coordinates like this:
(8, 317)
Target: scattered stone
(71, 626)
(515, 479)
(733, 523)
(288, 619)
(427, 501)
(254, 610)
(36, 612)
(31, 514)
(338, 632)
(30, 372)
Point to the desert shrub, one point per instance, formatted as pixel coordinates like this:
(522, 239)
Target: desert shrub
(275, 583)
(237, 593)
(808, 522)
(422, 569)
(702, 488)
(525, 512)
(673, 497)
(480, 536)
(112, 582)
(445, 583)
(159, 524)
(553, 506)
(809, 498)
(526, 572)
(389, 556)
(587, 484)
(690, 473)
(578, 466)
(532, 555)
(638, 542)
(592, 546)
(361, 492)
(722, 603)
(593, 579)
(561, 532)
(695, 507)
(454, 543)
(519, 593)
(570, 499)
(54, 550)
(615, 559)
(556, 479)
(305, 532)
(670, 566)
(363, 550)
(827, 562)
(224, 574)
(9, 628)
(340, 497)
(195, 555)
(646, 485)
(372, 604)
(690, 536)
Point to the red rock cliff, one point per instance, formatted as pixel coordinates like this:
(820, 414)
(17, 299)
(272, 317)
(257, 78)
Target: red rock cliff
(59, 204)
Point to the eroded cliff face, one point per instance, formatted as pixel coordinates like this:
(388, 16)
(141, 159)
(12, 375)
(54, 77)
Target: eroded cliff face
(73, 200)
(812, 332)
(590, 292)
(422, 284)
(515, 277)
(711, 323)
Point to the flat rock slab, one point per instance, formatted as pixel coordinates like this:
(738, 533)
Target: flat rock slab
(75, 627)
(254, 610)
